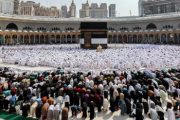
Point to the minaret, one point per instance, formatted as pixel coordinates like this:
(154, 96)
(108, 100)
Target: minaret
(87, 9)
(73, 9)
(16, 7)
(140, 5)
(72, 2)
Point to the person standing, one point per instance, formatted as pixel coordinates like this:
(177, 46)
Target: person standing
(122, 104)
(84, 110)
(65, 111)
(153, 114)
(160, 111)
(92, 111)
(139, 112)
(171, 115)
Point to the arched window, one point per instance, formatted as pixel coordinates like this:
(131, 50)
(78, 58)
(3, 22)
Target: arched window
(27, 28)
(124, 29)
(12, 26)
(41, 29)
(55, 29)
(69, 29)
(151, 26)
(136, 28)
(168, 27)
(111, 28)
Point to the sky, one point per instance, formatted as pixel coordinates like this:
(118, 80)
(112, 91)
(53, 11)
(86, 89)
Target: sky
(123, 7)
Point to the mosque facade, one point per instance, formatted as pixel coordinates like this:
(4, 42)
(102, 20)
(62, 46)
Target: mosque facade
(155, 7)
(162, 29)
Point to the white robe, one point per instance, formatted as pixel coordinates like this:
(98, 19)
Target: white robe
(105, 104)
(171, 115)
(50, 112)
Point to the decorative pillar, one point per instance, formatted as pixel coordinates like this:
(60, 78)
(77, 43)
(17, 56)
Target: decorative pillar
(122, 40)
(17, 40)
(147, 39)
(71, 40)
(49, 40)
(157, 38)
(60, 39)
(66, 39)
(144, 39)
(55, 39)
(23, 39)
(132, 40)
(44, 39)
(39, 39)
(153, 41)
(29, 39)
(160, 38)
(127, 38)
(117, 38)
(11, 40)
(34, 42)
(77, 39)
(3, 40)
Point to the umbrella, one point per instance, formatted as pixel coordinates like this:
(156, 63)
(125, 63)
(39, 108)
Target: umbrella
(150, 74)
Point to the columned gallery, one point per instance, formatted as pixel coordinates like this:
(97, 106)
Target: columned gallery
(147, 30)
(12, 37)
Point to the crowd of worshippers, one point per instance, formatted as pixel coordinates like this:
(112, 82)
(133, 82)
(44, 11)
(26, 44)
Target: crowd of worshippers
(123, 57)
(59, 94)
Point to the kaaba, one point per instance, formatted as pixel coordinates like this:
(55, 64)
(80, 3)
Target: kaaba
(93, 34)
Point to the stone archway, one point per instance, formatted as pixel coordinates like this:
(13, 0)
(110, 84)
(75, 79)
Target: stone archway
(21, 37)
(52, 39)
(114, 40)
(170, 38)
(63, 39)
(14, 39)
(110, 39)
(7, 40)
(36, 39)
(78, 38)
(74, 39)
(46, 39)
(58, 39)
(32, 39)
(151, 26)
(151, 39)
(163, 38)
(130, 38)
(156, 39)
(145, 40)
(125, 39)
(120, 40)
(26, 39)
(1, 40)
(135, 39)
(42, 39)
(175, 38)
(178, 41)
(140, 38)
(12, 26)
(68, 38)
